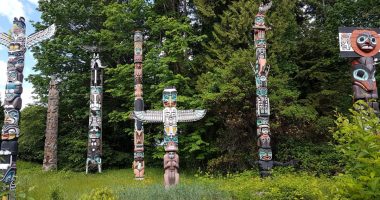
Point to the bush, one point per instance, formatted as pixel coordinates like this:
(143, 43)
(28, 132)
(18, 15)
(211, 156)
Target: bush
(248, 185)
(358, 139)
(321, 158)
(99, 194)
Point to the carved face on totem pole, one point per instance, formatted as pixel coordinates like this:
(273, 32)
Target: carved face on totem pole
(169, 97)
(361, 44)
(18, 29)
(10, 132)
(357, 42)
(138, 73)
(12, 117)
(139, 140)
(138, 90)
(138, 39)
(94, 150)
(265, 154)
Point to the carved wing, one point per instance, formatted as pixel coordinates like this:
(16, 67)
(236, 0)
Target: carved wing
(152, 116)
(5, 39)
(40, 36)
(190, 115)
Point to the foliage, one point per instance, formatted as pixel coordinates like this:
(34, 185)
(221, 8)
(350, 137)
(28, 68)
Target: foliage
(281, 186)
(119, 184)
(99, 193)
(32, 127)
(321, 159)
(358, 139)
(205, 49)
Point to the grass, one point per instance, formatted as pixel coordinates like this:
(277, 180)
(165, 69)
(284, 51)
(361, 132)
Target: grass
(33, 183)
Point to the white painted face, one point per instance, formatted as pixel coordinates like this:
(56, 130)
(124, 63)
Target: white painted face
(170, 116)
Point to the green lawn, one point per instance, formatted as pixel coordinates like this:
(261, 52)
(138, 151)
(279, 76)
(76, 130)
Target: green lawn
(32, 183)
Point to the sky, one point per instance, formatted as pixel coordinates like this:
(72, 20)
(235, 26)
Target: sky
(8, 10)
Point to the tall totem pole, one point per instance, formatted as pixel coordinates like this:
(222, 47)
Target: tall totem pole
(94, 147)
(51, 133)
(170, 116)
(361, 45)
(138, 163)
(17, 43)
(261, 70)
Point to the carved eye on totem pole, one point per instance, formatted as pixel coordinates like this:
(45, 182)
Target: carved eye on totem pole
(363, 77)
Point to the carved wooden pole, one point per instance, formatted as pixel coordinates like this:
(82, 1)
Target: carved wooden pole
(94, 150)
(361, 44)
(170, 116)
(138, 163)
(17, 43)
(51, 133)
(261, 70)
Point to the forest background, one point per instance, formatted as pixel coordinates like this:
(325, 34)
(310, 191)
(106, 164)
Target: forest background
(205, 49)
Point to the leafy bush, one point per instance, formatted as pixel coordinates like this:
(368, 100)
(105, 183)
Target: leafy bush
(248, 185)
(321, 158)
(358, 139)
(99, 194)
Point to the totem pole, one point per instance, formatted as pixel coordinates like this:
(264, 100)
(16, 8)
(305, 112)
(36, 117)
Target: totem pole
(170, 116)
(51, 133)
(361, 44)
(17, 43)
(94, 147)
(261, 70)
(138, 163)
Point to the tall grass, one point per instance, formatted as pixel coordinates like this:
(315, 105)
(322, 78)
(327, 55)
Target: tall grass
(32, 183)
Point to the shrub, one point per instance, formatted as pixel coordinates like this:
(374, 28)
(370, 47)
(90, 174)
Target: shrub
(99, 194)
(358, 139)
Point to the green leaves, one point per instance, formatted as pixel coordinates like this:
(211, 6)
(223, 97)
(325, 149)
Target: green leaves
(358, 140)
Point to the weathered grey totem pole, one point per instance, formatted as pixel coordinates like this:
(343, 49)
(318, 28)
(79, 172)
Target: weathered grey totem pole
(17, 43)
(261, 70)
(361, 44)
(94, 147)
(51, 133)
(170, 116)
(138, 163)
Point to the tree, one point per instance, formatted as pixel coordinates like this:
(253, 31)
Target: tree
(32, 128)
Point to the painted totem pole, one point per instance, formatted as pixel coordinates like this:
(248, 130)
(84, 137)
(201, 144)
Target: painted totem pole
(261, 70)
(138, 163)
(51, 133)
(361, 44)
(170, 116)
(94, 147)
(17, 43)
